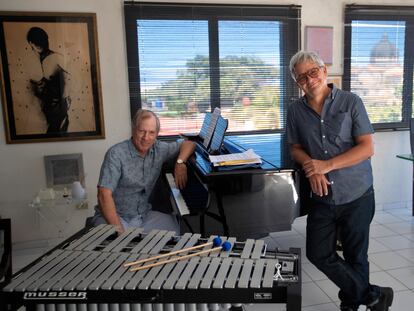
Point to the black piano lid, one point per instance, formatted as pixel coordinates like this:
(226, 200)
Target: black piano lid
(272, 148)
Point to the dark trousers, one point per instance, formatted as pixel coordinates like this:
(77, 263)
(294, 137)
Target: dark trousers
(350, 274)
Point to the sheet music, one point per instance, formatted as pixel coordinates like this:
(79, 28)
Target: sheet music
(247, 157)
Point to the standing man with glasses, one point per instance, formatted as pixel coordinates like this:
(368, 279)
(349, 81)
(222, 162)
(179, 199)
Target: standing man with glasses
(129, 173)
(330, 137)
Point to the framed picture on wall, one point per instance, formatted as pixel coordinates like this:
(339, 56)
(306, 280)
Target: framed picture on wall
(319, 39)
(63, 169)
(50, 77)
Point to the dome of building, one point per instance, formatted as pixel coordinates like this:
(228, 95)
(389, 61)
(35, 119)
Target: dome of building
(384, 51)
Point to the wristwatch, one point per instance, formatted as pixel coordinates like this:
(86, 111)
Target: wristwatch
(180, 161)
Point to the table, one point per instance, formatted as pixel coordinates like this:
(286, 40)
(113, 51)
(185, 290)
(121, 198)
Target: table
(60, 215)
(409, 157)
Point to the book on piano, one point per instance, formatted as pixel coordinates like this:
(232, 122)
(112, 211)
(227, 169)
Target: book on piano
(236, 159)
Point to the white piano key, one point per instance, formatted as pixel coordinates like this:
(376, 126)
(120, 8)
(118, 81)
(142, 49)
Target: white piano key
(177, 196)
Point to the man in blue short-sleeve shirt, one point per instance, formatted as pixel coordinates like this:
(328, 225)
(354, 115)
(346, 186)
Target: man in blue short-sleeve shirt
(330, 137)
(129, 173)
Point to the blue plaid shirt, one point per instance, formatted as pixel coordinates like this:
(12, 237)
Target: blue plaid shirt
(132, 177)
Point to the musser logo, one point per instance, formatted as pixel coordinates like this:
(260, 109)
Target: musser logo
(54, 295)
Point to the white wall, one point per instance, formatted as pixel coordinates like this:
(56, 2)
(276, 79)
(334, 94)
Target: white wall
(22, 170)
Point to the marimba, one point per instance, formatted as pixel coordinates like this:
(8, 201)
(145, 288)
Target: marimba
(87, 272)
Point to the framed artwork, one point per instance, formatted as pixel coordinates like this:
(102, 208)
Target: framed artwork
(319, 39)
(335, 79)
(63, 169)
(50, 77)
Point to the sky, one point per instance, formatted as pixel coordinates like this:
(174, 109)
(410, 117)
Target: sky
(176, 41)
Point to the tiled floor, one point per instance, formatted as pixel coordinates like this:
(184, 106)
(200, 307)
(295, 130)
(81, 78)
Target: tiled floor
(391, 254)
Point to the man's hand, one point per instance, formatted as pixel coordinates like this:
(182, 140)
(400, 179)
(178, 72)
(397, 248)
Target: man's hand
(319, 184)
(312, 167)
(180, 175)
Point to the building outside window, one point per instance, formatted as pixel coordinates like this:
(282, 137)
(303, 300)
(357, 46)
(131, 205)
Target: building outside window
(378, 61)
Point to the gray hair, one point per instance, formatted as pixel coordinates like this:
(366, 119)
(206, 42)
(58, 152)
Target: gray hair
(304, 56)
(143, 114)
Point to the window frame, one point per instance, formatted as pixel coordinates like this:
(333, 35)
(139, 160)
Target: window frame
(386, 13)
(214, 13)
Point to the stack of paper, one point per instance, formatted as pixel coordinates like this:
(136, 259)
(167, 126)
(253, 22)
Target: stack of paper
(247, 157)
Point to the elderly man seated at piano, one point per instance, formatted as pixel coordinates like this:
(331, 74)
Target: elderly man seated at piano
(129, 172)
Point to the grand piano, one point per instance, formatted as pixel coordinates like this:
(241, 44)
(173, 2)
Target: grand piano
(245, 202)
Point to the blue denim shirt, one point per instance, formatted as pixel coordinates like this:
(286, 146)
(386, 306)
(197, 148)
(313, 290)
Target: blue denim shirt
(332, 133)
(132, 177)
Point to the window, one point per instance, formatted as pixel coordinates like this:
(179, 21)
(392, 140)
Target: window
(185, 60)
(378, 64)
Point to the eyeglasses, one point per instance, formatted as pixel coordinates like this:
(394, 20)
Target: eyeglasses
(313, 73)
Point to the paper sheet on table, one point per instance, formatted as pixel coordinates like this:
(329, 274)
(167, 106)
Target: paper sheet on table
(247, 157)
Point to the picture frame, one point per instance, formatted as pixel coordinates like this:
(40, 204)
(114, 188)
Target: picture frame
(50, 77)
(319, 39)
(336, 80)
(63, 169)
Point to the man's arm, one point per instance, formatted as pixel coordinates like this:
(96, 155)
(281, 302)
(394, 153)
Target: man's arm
(318, 182)
(363, 150)
(108, 209)
(180, 171)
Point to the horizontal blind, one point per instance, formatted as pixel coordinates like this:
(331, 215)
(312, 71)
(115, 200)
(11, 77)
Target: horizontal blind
(378, 62)
(185, 60)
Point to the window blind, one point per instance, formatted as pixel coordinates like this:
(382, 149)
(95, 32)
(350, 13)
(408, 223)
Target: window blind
(185, 60)
(378, 64)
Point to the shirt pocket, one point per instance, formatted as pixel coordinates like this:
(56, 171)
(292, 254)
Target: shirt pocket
(340, 129)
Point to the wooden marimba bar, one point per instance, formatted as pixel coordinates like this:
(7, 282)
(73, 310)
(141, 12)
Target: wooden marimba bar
(88, 273)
